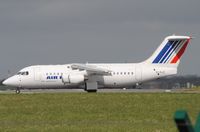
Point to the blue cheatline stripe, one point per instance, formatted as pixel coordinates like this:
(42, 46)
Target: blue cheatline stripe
(177, 45)
(160, 55)
(167, 53)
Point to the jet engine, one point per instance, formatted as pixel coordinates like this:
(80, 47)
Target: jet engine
(73, 78)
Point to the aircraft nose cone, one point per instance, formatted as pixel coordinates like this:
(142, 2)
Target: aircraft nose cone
(4, 82)
(12, 81)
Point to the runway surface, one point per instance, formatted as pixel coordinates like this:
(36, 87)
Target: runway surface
(27, 91)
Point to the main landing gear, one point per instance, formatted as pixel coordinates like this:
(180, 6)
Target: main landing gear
(138, 86)
(91, 86)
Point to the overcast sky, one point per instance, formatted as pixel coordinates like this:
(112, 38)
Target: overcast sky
(78, 31)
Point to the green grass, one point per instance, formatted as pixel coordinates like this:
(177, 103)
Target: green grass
(80, 112)
(194, 90)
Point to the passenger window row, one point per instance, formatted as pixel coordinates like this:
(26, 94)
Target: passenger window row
(53, 74)
(122, 73)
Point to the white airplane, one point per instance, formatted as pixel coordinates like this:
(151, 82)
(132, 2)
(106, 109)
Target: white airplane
(163, 62)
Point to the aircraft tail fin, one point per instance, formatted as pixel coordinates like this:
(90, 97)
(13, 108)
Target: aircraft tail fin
(170, 51)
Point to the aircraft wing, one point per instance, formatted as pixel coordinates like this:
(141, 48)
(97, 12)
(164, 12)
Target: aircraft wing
(91, 69)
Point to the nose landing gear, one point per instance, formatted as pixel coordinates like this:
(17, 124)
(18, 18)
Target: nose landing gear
(17, 91)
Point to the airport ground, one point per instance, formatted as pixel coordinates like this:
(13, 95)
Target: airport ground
(96, 112)
(8, 90)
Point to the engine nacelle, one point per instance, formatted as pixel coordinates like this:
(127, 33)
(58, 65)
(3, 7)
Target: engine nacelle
(73, 78)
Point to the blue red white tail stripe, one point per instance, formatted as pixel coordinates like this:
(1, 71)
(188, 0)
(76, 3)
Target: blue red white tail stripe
(180, 53)
(169, 50)
(172, 51)
(176, 51)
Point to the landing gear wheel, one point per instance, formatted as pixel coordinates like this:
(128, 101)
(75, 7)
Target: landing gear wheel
(17, 91)
(92, 91)
(138, 86)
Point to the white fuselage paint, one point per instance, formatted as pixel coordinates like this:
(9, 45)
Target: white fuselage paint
(122, 75)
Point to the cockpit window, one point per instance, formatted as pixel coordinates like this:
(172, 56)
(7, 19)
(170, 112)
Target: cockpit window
(23, 73)
(19, 73)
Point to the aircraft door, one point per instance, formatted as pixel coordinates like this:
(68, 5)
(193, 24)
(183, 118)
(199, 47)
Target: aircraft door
(138, 73)
(19, 80)
(37, 74)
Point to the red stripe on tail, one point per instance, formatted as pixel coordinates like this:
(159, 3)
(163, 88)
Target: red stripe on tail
(180, 53)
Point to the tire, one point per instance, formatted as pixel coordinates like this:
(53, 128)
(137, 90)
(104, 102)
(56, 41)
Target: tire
(91, 91)
(17, 91)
